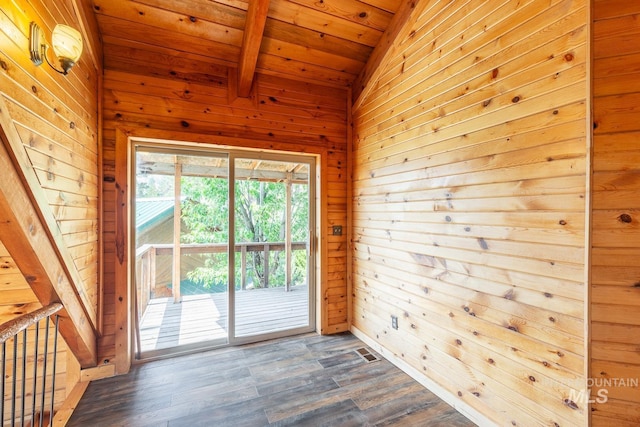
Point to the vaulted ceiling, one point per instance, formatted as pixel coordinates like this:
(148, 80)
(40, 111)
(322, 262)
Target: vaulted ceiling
(321, 41)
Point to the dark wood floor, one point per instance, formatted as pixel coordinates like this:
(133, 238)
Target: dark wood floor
(307, 380)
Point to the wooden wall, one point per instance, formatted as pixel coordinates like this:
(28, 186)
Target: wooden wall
(615, 288)
(56, 119)
(469, 175)
(49, 124)
(191, 101)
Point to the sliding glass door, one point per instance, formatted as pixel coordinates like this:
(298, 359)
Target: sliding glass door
(223, 248)
(272, 237)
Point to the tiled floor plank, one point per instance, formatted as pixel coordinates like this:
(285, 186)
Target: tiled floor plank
(308, 380)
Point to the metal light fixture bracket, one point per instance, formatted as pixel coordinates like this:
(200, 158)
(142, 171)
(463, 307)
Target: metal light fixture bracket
(38, 48)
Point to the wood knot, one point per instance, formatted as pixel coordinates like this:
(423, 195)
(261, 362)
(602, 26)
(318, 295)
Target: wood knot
(184, 123)
(626, 218)
(363, 14)
(476, 394)
(458, 342)
(515, 99)
(569, 57)
(483, 244)
(532, 378)
(193, 19)
(562, 222)
(570, 403)
(491, 361)
(513, 328)
(494, 73)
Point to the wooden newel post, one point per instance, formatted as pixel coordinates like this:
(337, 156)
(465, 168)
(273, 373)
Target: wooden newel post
(243, 266)
(266, 265)
(287, 235)
(152, 269)
(177, 212)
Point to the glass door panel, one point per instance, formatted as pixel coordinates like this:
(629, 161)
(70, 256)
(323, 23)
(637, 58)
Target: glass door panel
(182, 257)
(272, 230)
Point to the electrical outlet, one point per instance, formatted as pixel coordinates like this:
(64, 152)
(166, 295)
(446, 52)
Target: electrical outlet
(337, 230)
(394, 321)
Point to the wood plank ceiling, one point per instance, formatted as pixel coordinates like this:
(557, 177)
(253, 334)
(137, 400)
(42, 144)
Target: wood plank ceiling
(321, 41)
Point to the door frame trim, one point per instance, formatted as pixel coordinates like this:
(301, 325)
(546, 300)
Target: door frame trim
(315, 270)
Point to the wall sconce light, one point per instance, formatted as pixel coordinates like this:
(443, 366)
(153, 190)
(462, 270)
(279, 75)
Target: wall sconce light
(66, 43)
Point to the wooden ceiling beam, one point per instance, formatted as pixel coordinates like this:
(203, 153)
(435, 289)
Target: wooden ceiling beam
(253, 31)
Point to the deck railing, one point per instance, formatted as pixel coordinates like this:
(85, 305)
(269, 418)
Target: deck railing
(146, 260)
(26, 385)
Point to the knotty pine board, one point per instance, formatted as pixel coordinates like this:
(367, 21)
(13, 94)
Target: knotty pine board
(470, 164)
(615, 296)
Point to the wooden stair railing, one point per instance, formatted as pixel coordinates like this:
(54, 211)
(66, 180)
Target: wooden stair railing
(28, 368)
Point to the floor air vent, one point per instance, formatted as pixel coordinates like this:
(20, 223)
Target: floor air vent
(367, 355)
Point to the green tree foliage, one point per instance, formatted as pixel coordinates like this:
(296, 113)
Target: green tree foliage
(154, 186)
(260, 217)
(205, 214)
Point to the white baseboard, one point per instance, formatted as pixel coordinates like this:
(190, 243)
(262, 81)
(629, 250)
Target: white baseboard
(471, 413)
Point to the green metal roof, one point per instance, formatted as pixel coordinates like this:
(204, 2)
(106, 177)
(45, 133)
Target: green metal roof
(150, 211)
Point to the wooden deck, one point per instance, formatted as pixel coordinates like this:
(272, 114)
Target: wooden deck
(204, 318)
(307, 380)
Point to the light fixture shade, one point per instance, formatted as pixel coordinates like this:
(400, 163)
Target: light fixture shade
(67, 44)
